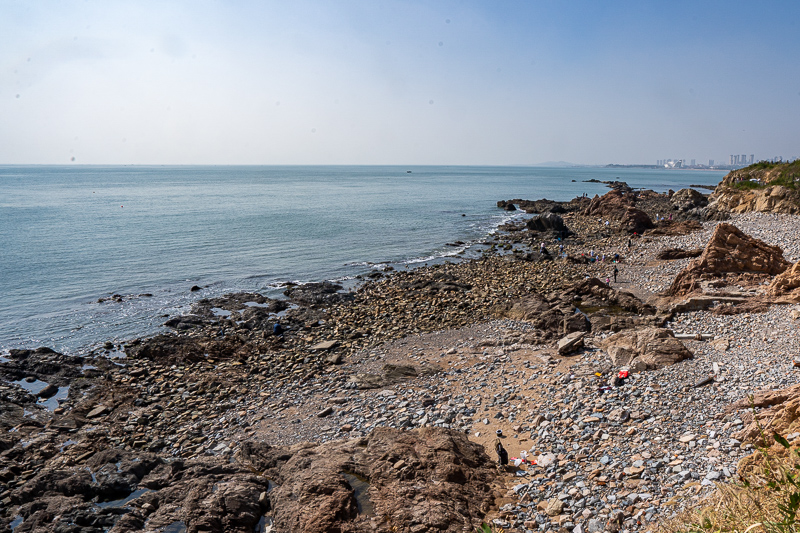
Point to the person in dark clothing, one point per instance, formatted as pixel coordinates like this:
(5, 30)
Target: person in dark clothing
(616, 271)
(277, 329)
(502, 454)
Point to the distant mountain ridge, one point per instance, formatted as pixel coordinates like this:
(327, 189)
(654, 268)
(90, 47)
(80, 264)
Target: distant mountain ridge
(558, 164)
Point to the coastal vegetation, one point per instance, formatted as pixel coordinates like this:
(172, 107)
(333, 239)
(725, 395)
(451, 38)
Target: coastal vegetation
(766, 174)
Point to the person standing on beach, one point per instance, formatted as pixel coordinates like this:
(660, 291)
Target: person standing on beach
(502, 454)
(616, 271)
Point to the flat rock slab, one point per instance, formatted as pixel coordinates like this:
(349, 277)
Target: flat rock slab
(326, 345)
(571, 342)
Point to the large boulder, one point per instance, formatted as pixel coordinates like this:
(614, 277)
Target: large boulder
(645, 348)
(619, 206)
(729, 251)
(552, 321)
(687, 199)
(548, 222)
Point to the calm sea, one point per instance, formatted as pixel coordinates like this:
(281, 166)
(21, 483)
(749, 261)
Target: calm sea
(70, 235)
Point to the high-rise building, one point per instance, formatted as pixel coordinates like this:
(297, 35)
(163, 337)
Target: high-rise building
(732, 160)
(752, 158)
(711, 162)
(693, 164)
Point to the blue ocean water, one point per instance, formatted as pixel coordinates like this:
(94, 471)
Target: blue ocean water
(70, 235)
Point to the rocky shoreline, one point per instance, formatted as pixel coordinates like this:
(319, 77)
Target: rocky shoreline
(403, 384)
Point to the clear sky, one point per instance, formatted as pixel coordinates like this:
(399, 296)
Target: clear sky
(397, 82)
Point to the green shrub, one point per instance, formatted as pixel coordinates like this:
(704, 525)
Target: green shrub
(747, 185)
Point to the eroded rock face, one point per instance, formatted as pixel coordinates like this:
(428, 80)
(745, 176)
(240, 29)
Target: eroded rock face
(786, 286)
(729, 251)
(775, 199)
(645, 348)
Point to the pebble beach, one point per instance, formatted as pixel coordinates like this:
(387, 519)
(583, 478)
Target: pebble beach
(630, 455)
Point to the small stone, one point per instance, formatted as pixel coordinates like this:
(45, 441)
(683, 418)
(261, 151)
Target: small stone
(97, 411)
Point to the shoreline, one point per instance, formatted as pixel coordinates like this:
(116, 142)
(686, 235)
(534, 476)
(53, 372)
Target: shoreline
(489, 373)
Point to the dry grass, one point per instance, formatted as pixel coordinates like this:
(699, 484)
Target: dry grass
(766, 498)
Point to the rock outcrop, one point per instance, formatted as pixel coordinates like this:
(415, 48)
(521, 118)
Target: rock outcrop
(589, 305)
(392, 480)
(619, 206)
(645, 348)
(420, 480)
(675, 227)
(730, 253)
(764, 187)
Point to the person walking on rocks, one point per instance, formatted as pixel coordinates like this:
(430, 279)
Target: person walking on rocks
(616, 271)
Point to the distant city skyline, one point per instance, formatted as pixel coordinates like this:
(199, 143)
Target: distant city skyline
(397, 82)
(735, 160)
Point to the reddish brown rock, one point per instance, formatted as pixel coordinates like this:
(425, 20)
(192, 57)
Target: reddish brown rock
(425, 479)
(729, 251)
(785, 288)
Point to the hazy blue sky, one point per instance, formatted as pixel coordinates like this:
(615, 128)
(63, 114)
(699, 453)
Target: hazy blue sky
(397, 82)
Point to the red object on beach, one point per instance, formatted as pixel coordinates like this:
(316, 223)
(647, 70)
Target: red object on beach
(623, 373)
